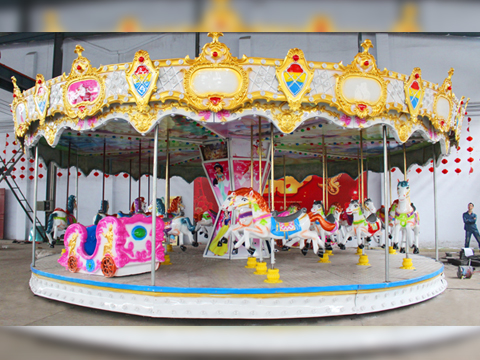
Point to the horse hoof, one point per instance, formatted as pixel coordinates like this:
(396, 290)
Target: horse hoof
(305, 251)
(234, 251)
(402, 250)
(369, 239)
(329, 247)
(395, 246)
(383, 246)
(342, 247)
(361, 246)
(205, 235)
(251, 251)
(224, 240)
(416, 250)
(320, 253)
(390, 236)
(51, 245)
(220, 244)
(350, 238)
(183, 248)
(195, 244)
(285, 248)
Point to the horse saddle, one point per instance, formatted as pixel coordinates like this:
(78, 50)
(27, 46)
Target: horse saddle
(330, 218)
(372, 218)
(290, 218)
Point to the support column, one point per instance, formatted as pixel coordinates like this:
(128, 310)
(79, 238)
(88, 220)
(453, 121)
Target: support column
(154, 204)
(35, 185)
(386, 171)
(272, 181)
(284, 185)
(435, 201)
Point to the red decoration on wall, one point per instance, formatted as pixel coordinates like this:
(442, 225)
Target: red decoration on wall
(31, 177)
(470, 149)
(125, 176)
(471, 171)
(470, 159)
(469, 138)
(40, 176)
(96, 173)
(22, 168)
(31, 161)
(31, 169)
(419, 170)
(457, 160)
(458, 171)
(60, 174)
(22, 159)
(431, 169)
(393, 169)
(106, 175)
(22, 176)
(444, 161)
(445, 171)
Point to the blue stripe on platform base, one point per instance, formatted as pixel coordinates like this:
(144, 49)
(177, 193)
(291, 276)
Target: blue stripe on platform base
(231, 291)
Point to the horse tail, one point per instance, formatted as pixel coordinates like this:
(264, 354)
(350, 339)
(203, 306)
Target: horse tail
(323, 223)
(187, 222)
(50, 222)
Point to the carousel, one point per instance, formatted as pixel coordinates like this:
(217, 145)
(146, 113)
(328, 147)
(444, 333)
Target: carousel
(246, 124)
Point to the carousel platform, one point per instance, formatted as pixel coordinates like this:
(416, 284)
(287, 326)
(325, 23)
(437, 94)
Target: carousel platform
(198, 287)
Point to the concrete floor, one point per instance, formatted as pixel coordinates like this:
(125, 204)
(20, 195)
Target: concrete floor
(456, 306)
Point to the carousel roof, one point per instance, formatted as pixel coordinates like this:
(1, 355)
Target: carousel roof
(216, 97)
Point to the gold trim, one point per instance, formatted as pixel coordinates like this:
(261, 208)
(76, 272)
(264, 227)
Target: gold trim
(294, 56)
(18, 98)
(415, 76)
(364, 65)
(215, 55)
(445, 91)
(142, 101)
(82, 70)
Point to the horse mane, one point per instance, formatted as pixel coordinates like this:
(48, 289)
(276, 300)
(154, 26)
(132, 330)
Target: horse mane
(255, 196)
(70, 204)
(174, 205)
(402, 184)
(241, 192)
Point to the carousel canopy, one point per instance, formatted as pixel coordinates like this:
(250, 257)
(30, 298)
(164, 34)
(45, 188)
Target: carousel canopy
(314, 107)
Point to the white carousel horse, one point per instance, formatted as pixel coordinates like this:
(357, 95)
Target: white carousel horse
(138, 207)
(333, 217)
(265, 226)
(205, 220)
(179, 224)
(361, 227)
(371, 214)
(59, 220)
(405, 218)
(370, 208)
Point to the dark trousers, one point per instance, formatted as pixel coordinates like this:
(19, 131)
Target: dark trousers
(468, 235)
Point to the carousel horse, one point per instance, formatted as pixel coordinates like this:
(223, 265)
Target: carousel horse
(244, 217)
(361, 227)
(345, 223)
(332, 217)
(102, 212)
(370, 212)
(160, 208)
(405, 218)
(370, 208)
(264, 226)
(203, 221)
(178, 224)
(59, 220)
(138, 207)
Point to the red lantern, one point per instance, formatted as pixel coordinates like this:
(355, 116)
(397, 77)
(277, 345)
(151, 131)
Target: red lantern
(445, 171)
(59, 174)
(22, 168)
(106, 175)
(31, 177)
(22, 176)
(471, 171)
(470, 149)
(431, 169)
(40, 176)
(31, 169)
(125, 176)
(457, 160)
(96, 173)
(458, 171)
(22, 159)
(470, 159)
(418, 170)
(444, 161)
(79, 173)
(393, 170)
(469, 138)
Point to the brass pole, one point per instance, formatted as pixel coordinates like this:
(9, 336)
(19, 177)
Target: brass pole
(404, 163)
(167, 174)
(284, 185)
(103, 168)
(326, 182)
(358, 178)
(251, 156)
(272, 181)
(323, 169)
(260, 156)
(139, 167)
(68, 172)
(361, 167)
(389, 180)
